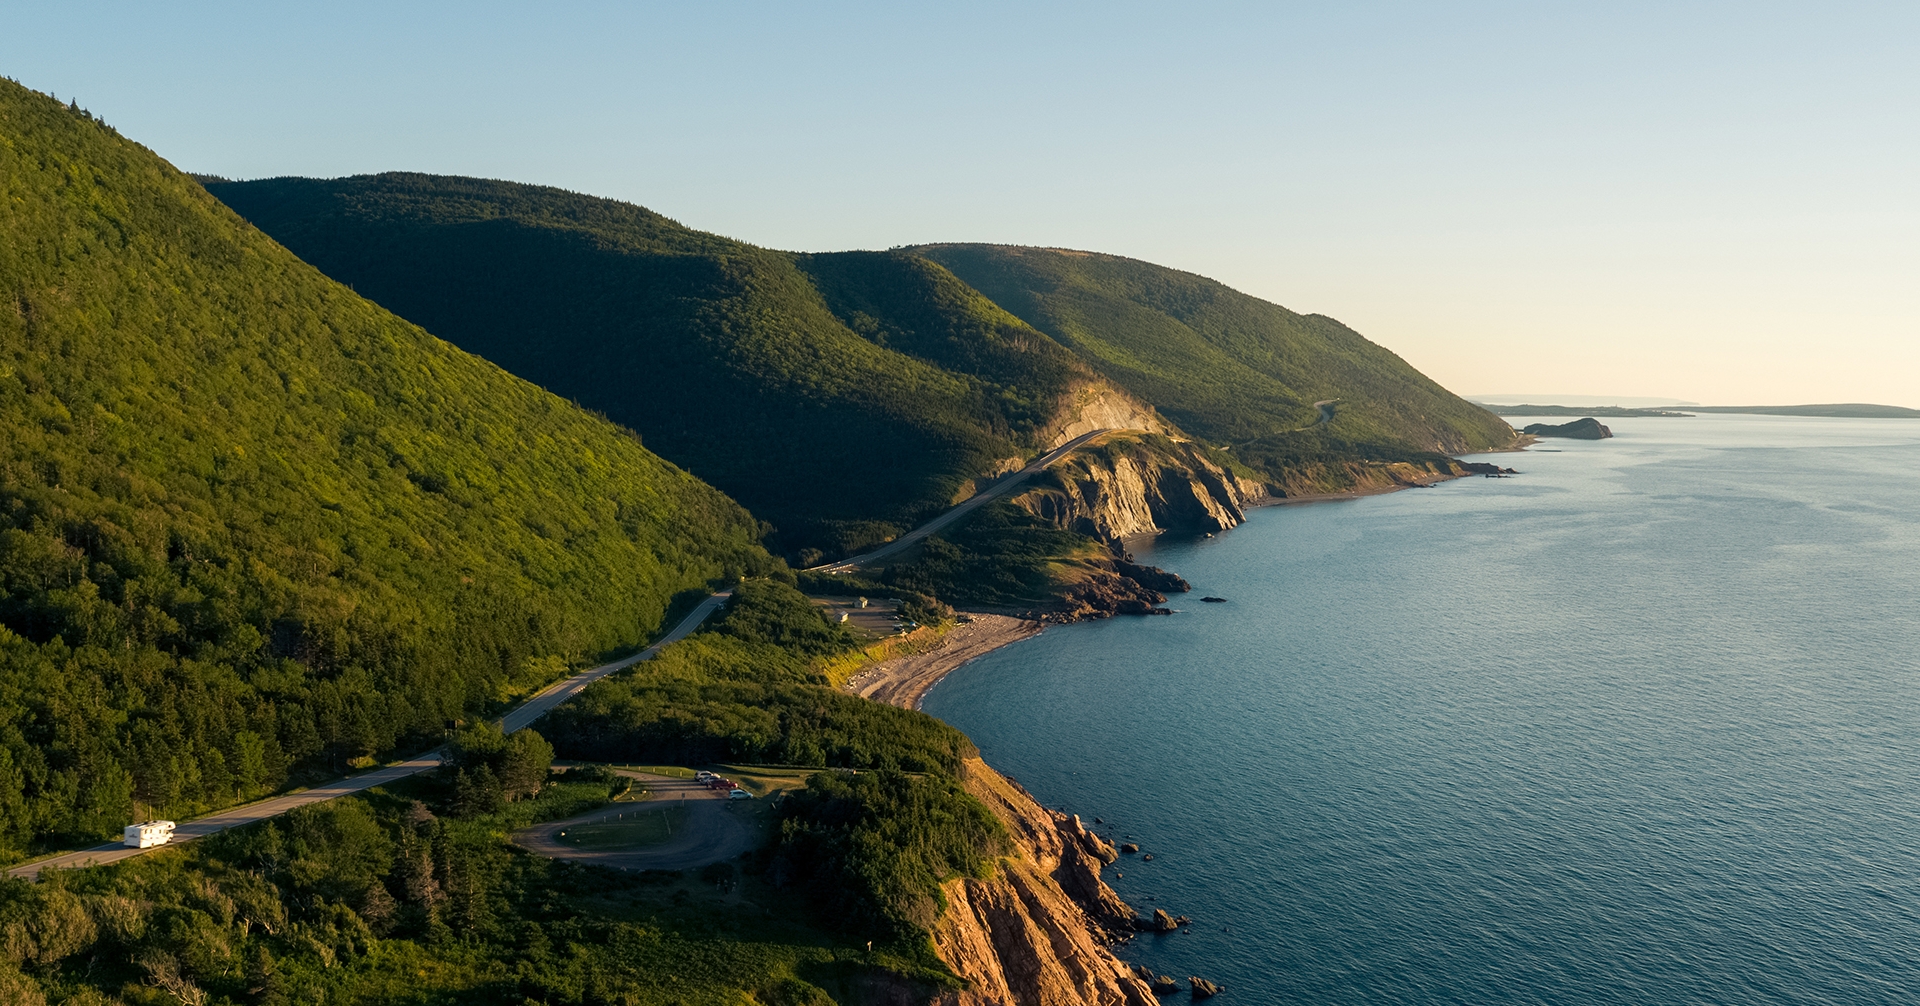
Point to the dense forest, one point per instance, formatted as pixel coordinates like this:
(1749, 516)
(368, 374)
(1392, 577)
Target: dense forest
(253, 527)
(786, 382)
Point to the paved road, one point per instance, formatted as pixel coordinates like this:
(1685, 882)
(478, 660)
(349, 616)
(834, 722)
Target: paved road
(712, 831)
(983, 497)
(526, 713)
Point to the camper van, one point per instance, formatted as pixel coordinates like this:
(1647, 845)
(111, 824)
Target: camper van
(147, 834)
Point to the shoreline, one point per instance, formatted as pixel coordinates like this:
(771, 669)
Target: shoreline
(1267, 501)
(904, 681)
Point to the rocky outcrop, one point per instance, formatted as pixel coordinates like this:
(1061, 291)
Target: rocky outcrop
(1102, 588)
(1139, 485)
(1036, 933)
(1203, 989)
(1098, 405)
(1580, 429)
(1341, 478)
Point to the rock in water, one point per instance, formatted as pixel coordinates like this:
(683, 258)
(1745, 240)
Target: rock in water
(1164, 985)
(1129, 848)
(1203, 989)
(1214, 600)
(1580, 429)
(1162, 922)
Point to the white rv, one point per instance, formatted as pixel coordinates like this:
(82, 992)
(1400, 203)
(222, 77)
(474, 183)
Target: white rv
(147, 834)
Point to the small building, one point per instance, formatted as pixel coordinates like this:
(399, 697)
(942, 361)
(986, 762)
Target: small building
(147, 834)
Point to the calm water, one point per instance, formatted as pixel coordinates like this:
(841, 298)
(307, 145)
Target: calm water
(1641, 725)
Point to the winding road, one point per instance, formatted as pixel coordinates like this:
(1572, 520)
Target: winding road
(708, 833)
(972, 503)
(526, 713)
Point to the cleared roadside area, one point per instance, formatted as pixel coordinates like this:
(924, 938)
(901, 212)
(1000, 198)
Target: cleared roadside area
(710, 829)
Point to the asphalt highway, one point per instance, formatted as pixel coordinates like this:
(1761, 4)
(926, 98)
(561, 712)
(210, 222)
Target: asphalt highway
(521, 716)
(980, 499)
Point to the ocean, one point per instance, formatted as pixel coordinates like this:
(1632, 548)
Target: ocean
(1638, 725)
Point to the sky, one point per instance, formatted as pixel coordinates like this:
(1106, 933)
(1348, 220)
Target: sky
(1709, 202)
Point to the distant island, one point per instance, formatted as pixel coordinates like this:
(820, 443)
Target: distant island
(1580, 429)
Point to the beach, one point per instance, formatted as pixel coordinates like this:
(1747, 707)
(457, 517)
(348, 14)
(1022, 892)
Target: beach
(902, 681)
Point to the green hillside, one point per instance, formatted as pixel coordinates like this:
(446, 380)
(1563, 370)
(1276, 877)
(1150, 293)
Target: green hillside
(254, 526)
(842, 398)
(1226, 366)
(907, 373)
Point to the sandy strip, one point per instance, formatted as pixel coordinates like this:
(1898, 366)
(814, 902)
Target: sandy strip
(903, 680)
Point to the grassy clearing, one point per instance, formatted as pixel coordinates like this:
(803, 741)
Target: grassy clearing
(635, 828)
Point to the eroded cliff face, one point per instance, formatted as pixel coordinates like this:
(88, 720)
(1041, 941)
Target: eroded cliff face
(1140, 485)
(1097, 405)
(1036, 934)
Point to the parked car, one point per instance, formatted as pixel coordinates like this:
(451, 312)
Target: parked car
(739, 794)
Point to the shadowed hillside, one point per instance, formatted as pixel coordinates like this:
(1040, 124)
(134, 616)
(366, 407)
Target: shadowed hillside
(842, 398)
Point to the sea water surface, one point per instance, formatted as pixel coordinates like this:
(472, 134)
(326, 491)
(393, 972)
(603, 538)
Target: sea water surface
(1639, 725)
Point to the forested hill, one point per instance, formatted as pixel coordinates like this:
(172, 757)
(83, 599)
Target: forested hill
(787, 379)
(841, 397)
(1226, 366)
(253, 525)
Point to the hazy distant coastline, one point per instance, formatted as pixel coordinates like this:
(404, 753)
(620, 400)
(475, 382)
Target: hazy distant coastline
(1849, 410)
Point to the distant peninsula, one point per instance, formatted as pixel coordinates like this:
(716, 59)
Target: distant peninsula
(1610, 411)
(1851, 410)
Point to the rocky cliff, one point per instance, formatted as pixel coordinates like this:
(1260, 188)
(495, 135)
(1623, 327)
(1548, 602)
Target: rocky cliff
(1144, 484)
(1097, 405)
(1036, 934)
(1140, 484)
